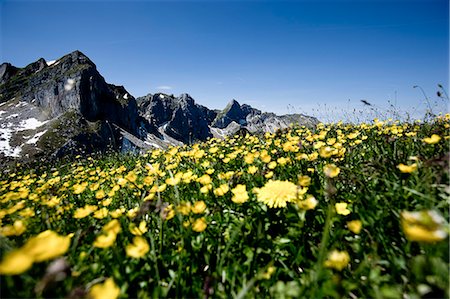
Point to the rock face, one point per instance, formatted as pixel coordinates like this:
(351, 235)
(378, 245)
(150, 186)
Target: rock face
(178, 117)
(255, 121)
(65, 107)
(73, 100)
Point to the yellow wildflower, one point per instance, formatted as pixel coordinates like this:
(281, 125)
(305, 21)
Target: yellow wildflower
(272, 165)
(100, 194)
(131, 177)
(355, 226)
(337, 260)
(308, 204)
(105, 240)
(407, 168)
(341, 208)
(432, 140)
(221, 190)
(78, 188)
(113, 225)
(138, 248)
(16, 262)
(304, 180)
(240, 194)
(199, 225)
(423, 226)
(276, 194)
(252, 169)
(85, 211)
(184, 208)
(106, 290)
(16, 229)
(138, 230)
(331, 170)
(100, 214)
(46, 245)
(199, 207)
(326, 151)
(168, 213)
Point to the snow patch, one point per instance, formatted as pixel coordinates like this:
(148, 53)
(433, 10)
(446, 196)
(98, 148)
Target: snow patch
(161, 96)
(30, 124)
(21, 104)
(152, 144)
(52, 62)
(69, 84)
(12, 116)
(125, 96)
(36, 137)
(5, 147)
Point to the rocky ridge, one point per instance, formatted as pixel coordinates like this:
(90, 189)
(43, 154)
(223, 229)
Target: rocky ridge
(55, 108)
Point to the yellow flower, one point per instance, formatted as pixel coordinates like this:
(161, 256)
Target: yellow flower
(46, 245)
(331, 170)
(326, 151)
(341, 208)
(184, 208)
(272, 165)
(423, 226)
(199, 207)
(276, 194)
(138, 231)
(131, 177)
(105, 240)
(304, 180)
(102, 213)
(168, 213)
(138, 248)
(355, 226)
(337, 260)
(16, 229)
(78, 188)
(199, 225)
(99, 194)
(16, 262)
(252, 169)
(308, 204)
(113, 225)
(432, 140)
(221, 190)
(407, 168)
(85, 211)
(106, 290)
(240, 194)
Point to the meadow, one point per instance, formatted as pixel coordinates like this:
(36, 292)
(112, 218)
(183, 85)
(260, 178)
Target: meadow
(338, 210)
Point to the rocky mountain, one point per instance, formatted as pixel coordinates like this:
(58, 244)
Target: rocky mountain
(62, 106)
(178, 117)
(54, 108)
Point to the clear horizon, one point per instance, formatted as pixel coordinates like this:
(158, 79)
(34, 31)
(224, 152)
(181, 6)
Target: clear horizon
(284, 57)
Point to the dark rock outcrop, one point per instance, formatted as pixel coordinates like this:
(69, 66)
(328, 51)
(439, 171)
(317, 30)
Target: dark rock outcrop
(73, 100)
(66, 107)
(71, 83)
(179, 117)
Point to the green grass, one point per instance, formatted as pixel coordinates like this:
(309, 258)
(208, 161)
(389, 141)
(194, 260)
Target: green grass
(247, 249)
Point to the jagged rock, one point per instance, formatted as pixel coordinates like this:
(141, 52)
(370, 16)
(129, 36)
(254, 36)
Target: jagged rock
(232, 112)
(72, 89)
(65, 107)
(180, 118)
(256, 121)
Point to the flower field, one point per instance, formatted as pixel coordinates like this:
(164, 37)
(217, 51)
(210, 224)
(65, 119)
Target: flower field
(333, 211)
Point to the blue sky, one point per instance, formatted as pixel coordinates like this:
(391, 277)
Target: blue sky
(314, 57)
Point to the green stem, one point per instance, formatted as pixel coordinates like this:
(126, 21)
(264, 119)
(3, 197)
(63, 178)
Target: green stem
(323, 248)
